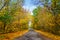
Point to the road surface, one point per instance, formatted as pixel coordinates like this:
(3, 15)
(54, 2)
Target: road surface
(32, 35)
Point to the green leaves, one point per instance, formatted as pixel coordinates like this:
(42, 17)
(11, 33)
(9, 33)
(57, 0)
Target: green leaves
(36, 11)
(6, 17)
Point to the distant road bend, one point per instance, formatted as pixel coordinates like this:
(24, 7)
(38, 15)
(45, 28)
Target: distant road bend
(32, 35)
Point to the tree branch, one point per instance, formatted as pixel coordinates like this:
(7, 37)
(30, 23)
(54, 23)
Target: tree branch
(3, 6)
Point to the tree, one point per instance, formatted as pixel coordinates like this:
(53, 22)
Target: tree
(50, 16)
(6, 19)
(9, 12)
(36, 12)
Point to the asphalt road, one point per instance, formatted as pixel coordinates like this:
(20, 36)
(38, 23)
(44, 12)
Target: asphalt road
(32, 35)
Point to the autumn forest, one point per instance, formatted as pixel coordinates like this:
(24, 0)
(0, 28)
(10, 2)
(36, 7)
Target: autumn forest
(18, 17)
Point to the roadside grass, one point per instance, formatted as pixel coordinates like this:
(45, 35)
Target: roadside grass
(11, 36)
(49, 35)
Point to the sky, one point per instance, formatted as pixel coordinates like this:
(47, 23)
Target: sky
(31, 5)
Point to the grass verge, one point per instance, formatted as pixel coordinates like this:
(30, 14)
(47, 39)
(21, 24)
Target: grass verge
(49, 35)
(11, 36)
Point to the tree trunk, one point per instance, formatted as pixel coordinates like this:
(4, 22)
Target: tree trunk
(4, 25)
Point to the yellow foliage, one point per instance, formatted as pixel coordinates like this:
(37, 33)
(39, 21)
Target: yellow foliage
(11, 36)
(49, 35)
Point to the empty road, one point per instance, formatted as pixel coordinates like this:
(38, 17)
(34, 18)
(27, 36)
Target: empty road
(32, 35)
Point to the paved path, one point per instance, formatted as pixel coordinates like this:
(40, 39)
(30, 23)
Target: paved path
(32, 35)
